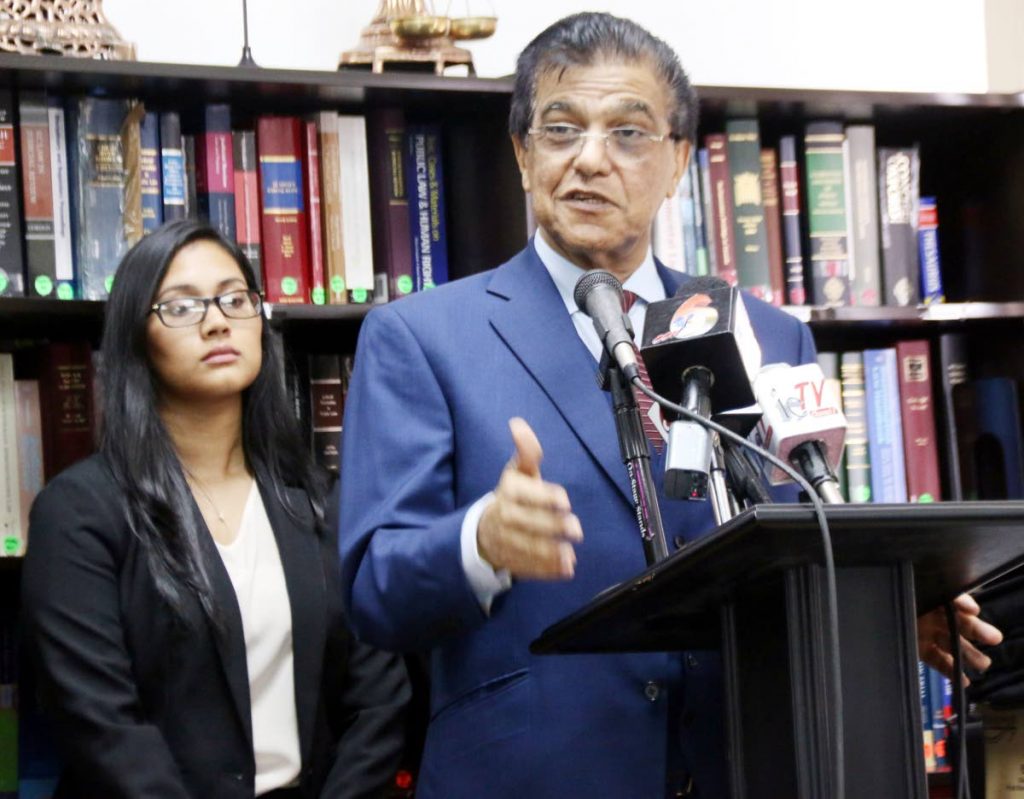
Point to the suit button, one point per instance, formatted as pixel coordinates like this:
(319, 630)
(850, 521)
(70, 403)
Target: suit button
(678, 542)
(651, 691)
(238, 776)
(691, 661)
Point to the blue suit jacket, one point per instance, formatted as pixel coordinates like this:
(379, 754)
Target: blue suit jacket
(437, 376)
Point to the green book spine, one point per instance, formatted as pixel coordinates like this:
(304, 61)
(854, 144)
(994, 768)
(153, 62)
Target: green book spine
(826, 208)
(752, 262)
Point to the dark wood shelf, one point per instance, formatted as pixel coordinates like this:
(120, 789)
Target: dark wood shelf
(277, 88)
(932, 314)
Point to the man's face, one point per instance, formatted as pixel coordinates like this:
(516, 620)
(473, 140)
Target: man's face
(595, 202)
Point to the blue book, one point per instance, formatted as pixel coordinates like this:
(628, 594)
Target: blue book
(97, 173)
(885, 428)
(940, 691)
(425, 193)
(925, 696)
(149, 172)
(172, 166)
(928, 252)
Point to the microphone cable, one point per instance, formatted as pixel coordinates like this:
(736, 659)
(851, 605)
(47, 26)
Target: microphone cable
(832, 604)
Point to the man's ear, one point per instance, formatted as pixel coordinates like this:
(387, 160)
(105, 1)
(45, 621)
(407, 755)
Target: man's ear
(681, 152)
(522, 153)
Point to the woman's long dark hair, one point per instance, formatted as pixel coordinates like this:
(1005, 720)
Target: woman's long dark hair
(136, 443)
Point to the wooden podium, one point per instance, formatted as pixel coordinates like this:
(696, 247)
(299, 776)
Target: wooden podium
(755, 589)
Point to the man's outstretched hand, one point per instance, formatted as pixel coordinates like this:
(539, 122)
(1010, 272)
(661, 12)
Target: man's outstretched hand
(935, 646)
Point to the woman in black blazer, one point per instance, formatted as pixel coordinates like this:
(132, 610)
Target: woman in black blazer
(180, 593)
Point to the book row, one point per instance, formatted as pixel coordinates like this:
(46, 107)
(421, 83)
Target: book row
(829, 219)
(330, 208)
(893, 450)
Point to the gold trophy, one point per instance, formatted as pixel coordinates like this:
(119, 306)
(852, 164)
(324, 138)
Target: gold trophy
(61, 27)
(410, 34)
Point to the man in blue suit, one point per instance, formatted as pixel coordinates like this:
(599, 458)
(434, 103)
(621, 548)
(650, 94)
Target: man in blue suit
(452, 548)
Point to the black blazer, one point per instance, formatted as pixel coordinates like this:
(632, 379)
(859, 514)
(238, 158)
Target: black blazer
(144, 706)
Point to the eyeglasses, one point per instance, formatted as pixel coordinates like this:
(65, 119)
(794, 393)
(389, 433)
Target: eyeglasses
(566, 141)
(188, 311)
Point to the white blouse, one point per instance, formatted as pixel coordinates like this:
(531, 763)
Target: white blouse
(254, 565)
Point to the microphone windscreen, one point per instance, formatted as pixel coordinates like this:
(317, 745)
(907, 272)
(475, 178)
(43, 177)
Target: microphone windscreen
(590, 280)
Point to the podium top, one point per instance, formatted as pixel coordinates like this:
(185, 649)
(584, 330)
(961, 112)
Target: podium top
(952, 546)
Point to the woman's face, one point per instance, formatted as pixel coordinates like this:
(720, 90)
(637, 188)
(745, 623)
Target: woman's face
(216, 358)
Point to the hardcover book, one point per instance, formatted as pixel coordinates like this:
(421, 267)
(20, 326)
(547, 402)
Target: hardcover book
(149, 172)
(952, 372)
(707, 208)
(215, 170)
(331, 208)
(425, 182)
(12, 275)
(285, 229)
(172, 166)
(65, 277)
(30, 448)
(392, 252)
(898, 187)
(753, 266)
(773, 223)
(12, 540)
(37, 195)
(66, 403)
(722, 206)
(358, 224)
(311, 175)
(789, 175)
(865, 265)
(827, 220)
(858, 458)
(98, 179)
(928, 252)
(917, 413)
(326, 408)
(989, 433)
(885, 428)
(247, 200)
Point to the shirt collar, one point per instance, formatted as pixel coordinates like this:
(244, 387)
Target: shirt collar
(645, 282)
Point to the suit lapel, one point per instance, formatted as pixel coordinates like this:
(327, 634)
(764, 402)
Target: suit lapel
(227, 629)
(533, 322)
(299, 549)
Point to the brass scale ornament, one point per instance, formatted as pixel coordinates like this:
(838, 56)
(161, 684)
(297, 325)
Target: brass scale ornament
(410, 34)
(61, 27)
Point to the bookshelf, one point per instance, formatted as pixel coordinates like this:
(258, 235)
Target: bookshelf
(980, 196)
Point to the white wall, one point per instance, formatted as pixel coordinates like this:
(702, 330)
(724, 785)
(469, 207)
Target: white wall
(900, 45)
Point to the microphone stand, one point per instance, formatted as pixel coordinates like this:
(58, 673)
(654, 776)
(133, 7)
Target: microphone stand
(635, 454)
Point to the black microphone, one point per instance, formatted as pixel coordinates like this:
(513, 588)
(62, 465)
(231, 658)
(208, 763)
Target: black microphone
(599, 295)
(701, 341)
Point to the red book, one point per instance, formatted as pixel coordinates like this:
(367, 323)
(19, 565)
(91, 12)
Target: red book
(285, 229)
(316, 238)
(215, 170)
(721, 206)
(392, 243)
(772, 223)
(66, 403)
(917, 412)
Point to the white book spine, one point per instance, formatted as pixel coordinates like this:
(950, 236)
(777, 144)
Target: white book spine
(65, 269)
(11, 540)
(355, 203)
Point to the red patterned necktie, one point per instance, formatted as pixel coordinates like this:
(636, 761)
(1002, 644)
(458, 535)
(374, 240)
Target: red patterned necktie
(644, 402)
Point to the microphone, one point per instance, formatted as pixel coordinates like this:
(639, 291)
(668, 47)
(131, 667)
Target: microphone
(705, 324)
(599, 295)
(802, 424)
(702, 339)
